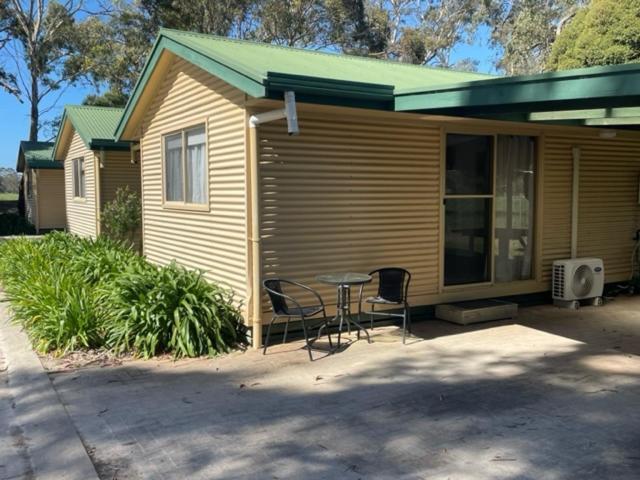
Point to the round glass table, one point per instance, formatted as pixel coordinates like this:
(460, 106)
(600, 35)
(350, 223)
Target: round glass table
(344, 281)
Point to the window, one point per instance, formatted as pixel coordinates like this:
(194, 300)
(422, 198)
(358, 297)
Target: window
(29, 178)
(185, 167)
(488, 231)
(79, 180)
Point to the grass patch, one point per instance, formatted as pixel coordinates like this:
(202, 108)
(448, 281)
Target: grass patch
(8, 197)
(71, 293)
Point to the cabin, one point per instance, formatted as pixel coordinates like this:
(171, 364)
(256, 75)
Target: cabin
(95, 164)
(260, 160)
(42, 188)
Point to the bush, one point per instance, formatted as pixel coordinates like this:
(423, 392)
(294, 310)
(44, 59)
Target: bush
(52, 287)
(14, 224)
(72, 293)
(121, 217)
(169, 309)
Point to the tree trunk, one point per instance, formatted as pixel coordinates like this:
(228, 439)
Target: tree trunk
(35, 114)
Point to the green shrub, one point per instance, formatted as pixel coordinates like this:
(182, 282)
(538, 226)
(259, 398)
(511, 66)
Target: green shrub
(169, 309)
(14, 224)
(52, 287)
(72, 293)
(121, 217)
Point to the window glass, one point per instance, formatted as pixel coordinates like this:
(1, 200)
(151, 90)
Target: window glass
(469, 161)
(196, 164)
(467, 248)
(79, 189)
(173, 168)
(515, 190)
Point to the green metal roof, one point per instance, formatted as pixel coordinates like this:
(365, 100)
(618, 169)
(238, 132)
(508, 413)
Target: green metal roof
(265, 71)
(95, 125)
(36, 155)
(258, 60)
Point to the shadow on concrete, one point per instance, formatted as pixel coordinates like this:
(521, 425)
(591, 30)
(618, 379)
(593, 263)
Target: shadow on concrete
(492, 401)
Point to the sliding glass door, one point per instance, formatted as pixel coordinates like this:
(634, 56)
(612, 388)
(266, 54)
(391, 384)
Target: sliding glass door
(468, 209)
(488, 208)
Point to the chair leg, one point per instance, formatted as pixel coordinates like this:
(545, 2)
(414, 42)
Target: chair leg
(328, 335)
(373, 307)
(286, 329)
(408, 309)
(404, 326)
(306, 339)
(266, 340)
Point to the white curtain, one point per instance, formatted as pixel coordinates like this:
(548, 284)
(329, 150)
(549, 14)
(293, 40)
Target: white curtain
(173, 168)
(514, 197)
(196, 165)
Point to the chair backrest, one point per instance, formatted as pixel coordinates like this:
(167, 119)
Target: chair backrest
(273, 286)
(393, 283)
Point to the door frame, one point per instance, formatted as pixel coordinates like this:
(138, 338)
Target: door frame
(536, 254)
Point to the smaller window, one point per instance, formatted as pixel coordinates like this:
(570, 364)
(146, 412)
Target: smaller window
(29, 178)
(185, 166)
(79, 180)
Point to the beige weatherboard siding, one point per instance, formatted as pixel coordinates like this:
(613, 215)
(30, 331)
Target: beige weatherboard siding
(213, 238)
(359, 190)
(117, 172)
(50, 199)
(81, 212)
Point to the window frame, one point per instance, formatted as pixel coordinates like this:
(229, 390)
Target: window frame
(183, 204)
(78, 165)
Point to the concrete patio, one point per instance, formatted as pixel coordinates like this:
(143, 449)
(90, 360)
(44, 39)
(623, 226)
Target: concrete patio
(552, 395)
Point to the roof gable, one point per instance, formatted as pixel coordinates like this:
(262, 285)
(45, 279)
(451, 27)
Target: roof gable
(95, 126)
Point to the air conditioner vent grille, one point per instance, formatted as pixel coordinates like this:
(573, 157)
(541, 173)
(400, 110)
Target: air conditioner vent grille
(558, 281)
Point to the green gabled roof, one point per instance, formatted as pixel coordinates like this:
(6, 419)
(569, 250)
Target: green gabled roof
(95, 125)
(259, 60)
(265, 71)
(36, 155)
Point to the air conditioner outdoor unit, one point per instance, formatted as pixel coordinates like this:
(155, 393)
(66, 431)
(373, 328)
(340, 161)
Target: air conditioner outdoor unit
(577, 279)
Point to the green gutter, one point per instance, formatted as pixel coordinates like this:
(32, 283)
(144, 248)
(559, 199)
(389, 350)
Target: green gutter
(106, 144)
(45, 164)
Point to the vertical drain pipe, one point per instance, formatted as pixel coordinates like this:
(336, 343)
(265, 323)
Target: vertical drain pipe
(289, 113)
(256, 308)
(575, 195)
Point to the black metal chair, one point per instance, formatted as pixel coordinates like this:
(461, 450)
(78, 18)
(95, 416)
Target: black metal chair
(284, 305)
(393, 288)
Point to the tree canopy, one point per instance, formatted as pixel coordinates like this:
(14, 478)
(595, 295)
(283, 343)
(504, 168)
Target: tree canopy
(47, 45)
(605, 32)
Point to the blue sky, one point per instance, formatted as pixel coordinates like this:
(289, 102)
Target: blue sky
(15, 116)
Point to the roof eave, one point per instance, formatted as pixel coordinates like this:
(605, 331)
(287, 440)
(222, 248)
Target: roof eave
(596, 87)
